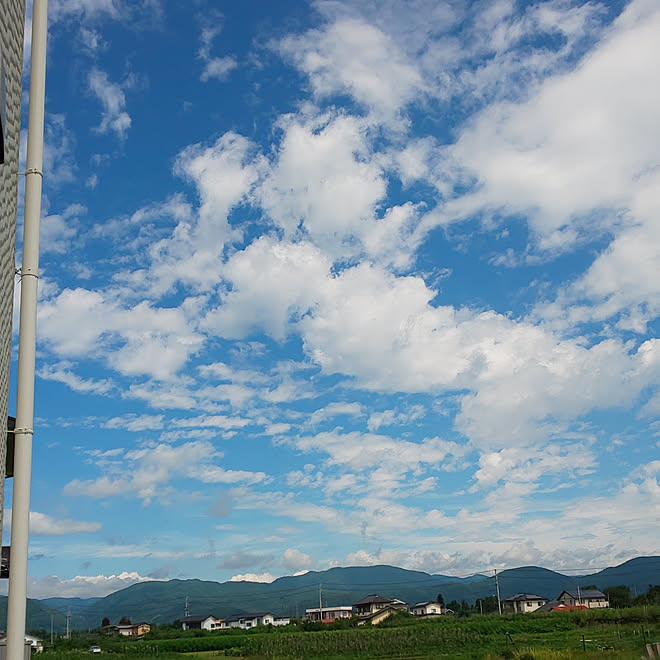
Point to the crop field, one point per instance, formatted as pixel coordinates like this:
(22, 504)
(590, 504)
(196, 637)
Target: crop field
(615, 634)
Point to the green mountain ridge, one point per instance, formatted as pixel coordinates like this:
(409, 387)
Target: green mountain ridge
(164, 601)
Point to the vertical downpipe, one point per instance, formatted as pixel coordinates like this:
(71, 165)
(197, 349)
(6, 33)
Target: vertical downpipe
(17, 597)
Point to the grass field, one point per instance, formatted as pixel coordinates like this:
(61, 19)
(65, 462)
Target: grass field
(614, 634)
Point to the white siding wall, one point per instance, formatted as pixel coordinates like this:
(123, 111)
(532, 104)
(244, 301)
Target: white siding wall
(12, 13)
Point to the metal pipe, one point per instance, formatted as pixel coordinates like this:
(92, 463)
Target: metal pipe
(20, 521)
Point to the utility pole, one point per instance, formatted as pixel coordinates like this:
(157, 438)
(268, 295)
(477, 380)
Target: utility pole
(68, 623)
(27, 337)
(497, 585)
(51, 632)
(320, 605)
(185, 608)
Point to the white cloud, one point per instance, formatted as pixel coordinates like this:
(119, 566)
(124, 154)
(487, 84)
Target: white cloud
(136, 423)
(57, 231)
(392, 417)
(223, 174)
(63, 374)
(295, 560)
(82, 586)
(352, 409)
(146, 340)
(146, 473)
(325, 185)
(366, 450)
(214, 67)
(41, 524)
(529, 465)
(59, 165)
(253, 577)
(60, 9)
(351, 56)
(114, 117)
(523, 155)
(273, 284)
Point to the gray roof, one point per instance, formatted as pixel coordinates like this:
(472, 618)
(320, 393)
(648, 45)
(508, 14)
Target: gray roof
(584, 593)
(519, 597)
(249, 615)
(373, 598)
(195, 619)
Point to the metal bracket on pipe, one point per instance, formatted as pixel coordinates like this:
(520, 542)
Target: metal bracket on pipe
(32, 170)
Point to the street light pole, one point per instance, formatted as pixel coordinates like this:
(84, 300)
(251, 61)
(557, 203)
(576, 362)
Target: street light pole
(20, 522)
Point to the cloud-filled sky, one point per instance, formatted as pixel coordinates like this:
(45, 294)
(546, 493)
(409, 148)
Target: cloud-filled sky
(344, 283)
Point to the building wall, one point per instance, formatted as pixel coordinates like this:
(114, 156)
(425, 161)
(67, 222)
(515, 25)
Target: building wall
(12, 13)
(424, 610)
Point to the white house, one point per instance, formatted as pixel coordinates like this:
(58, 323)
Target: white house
(36, 645)
(281, 620)
(203, 622)
(247, 621)
(427, 608)
(523, 603)
(328, 614)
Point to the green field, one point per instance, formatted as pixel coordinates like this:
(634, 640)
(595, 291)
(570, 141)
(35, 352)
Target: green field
(616, 634)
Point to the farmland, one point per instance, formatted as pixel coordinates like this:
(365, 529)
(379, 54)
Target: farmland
(616, 634)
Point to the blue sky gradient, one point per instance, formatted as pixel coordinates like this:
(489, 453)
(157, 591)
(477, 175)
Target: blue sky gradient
(346, 283)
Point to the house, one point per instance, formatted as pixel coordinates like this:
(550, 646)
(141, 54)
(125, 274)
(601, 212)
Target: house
(374, 602)
(247, 621)
(379, 615)
(35, 644)
(523, 603)
(128, 629)
(428, 608)
(328, 614)
(592, 598)
(203, 622)
(374, 608)
(281, 620)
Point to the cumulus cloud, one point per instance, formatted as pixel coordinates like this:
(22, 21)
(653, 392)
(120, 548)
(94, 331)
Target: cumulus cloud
(308, 245)
(153, 341)
(214, 67)
(352, 56)
(42, 524)
(253, 577)
(295, 560)
(62, 373)
(82, 586)
(146, 473)
(112, 98)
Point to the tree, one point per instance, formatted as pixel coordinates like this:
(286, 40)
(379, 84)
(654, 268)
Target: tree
(440, 600)
(653, 594)
(618, 596)
(124, 621)
(105, 622)
(488, 604)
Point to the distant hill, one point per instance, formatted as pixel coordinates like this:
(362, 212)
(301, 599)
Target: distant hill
(38, 616)
(163, 602)
(72, 605)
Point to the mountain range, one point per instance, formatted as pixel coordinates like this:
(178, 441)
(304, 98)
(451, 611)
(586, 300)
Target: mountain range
(163, 602)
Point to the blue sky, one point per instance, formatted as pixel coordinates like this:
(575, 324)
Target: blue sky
(346, 283)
